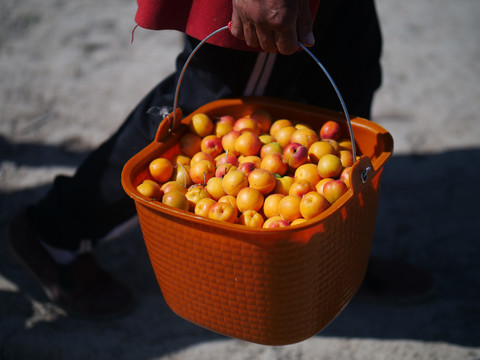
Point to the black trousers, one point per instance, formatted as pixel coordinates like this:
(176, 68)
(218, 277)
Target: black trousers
(348, 43)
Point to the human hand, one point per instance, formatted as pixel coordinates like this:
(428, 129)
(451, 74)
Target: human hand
(273, 25)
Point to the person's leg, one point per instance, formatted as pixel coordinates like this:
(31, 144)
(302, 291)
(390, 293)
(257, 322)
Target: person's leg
(348, 43)
(90, 203)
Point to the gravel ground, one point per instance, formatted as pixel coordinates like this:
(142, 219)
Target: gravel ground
(69, 76)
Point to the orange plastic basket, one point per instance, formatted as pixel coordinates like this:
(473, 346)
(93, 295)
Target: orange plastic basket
(268, 286)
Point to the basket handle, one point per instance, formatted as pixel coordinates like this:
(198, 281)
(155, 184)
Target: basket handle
(176, 119)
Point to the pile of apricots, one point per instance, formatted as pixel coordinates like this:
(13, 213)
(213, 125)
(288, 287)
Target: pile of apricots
(254, 170)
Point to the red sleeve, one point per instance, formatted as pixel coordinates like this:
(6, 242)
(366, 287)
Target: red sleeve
(163, 14)
(197, 18)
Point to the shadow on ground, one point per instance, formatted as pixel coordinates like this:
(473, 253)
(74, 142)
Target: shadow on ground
(33, 156)
(427, 216)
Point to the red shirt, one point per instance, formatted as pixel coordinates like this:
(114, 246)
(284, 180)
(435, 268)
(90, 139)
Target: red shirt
(197, 18)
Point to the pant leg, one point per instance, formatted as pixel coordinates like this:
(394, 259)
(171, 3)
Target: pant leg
(90, 203)
(348, 43)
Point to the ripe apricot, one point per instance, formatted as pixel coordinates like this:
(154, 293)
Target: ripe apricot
(194, 195)
(321, 184)
(176, 199)
(289, 207)
(202, 171)
(150, 189)
(346, 176)
(261, 180)
(300, 187)
(173, 185)
(190, 144)
(230, 199)
(233, 182)
(201, 124)
(263, 118)
(330, 166)
(251, 218)
(249, 199)
(160, 169)
(248, 144)
(298, 221)
(250, 158)
(278, 124)
(275, 222)
(283, 184)
(318, 149)
(181, 159)
(247, 123)
(181, 173)
(203, 205)
(270, 205)
(201, 155)
(331, 130)
(333, 190)
(214, 188)
(212, 145)
(275, 163)
(223, 212)
(304, 136)
(308, 172)
(313, 204)
(282, 136)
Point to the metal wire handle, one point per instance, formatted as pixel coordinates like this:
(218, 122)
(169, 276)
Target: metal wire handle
(342, 102)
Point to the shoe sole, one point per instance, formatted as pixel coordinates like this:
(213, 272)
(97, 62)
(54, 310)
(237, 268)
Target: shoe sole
(19, 260)
(8, 242)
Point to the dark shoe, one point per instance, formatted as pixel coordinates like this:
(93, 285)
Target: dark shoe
(394, 282)
(82, 288)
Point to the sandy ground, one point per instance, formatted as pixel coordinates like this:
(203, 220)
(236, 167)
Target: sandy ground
(68, 77)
